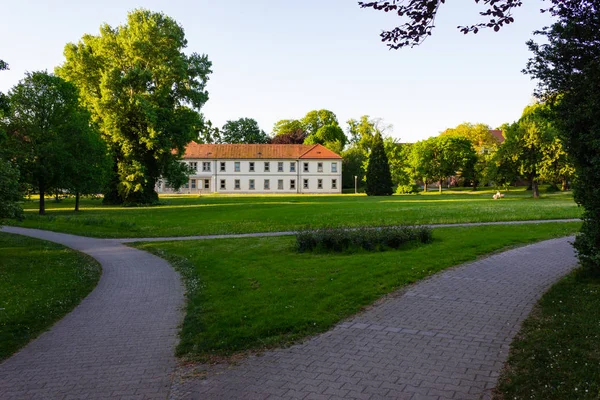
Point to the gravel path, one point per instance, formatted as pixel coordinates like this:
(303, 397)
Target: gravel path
(289, 233)
(119, 343)
(446, 337)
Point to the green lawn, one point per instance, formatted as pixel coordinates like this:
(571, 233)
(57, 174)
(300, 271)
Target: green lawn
(254, 293)
(40, 282)
(557, 353)
(219, 214)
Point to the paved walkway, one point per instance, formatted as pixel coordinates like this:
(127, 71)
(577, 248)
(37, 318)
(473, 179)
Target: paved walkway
(118, 343)
(289, 233)
(444, 338)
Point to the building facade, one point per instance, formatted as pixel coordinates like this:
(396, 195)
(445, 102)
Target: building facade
(260, 168)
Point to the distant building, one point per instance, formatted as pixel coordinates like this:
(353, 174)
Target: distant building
(260, 168)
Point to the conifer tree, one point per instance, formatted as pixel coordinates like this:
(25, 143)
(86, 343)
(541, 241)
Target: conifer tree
(379, 178)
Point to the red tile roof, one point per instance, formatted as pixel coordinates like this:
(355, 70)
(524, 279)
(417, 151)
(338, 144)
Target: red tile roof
(253, 151)
(497, 133)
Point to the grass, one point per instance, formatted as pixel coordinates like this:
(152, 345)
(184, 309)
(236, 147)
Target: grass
(557, 353)
(221, 214)
(255, 293)
(40, 282)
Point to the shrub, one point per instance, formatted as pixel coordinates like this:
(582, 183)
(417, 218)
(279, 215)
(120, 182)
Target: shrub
(370, 239)
(407, 189)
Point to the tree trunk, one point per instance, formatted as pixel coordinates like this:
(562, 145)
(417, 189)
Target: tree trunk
(535, 189)
(563, 186)
(425, 185)
(440, 186)
(42, 199)
(76, 201)
(56, 199)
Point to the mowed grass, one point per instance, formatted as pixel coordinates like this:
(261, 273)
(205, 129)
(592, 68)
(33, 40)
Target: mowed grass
(256, 293)
(40, 282)
(557, 353)
(220, 214)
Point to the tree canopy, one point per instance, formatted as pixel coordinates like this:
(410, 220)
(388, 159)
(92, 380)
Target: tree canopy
(144, 93)
(243, 130)
(316, 119)
(379, 178)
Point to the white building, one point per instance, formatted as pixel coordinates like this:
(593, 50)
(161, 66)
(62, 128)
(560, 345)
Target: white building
(261, 168)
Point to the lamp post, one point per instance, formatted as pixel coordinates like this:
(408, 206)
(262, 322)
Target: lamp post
(355, 184)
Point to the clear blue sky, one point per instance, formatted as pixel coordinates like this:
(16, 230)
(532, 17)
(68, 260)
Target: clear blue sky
(276, 60)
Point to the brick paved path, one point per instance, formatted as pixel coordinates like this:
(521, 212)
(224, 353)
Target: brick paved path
(118, 343)
(444, 338)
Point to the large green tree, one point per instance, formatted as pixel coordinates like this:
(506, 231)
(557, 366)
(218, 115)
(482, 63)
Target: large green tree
(243, 130)
(330, 136)
(567, 66)
(144, 93)
(316, 119)
(379, 178)
(43, 122)
(439, 158)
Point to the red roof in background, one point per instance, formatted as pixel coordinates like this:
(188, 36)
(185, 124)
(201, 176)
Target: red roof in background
(254, 151)
(497, 133)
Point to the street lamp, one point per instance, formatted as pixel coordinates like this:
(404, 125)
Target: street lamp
(355, 184)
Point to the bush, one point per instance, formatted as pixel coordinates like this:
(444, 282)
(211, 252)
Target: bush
(407, 189)
(370, 239)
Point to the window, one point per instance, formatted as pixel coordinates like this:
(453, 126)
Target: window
(267, 184)
(237, 184)
(193, 184)
(305, 167)
(292, 184)
(306, 184)
(206, 166)
(280, 184)
(267, 166)
(280, 166)
(236, 166)
(222, 169)
(334, 167)
(320, 167)
(223, 187)
(320, 184)
(251, 166)
(292, 167)
(194, 166)
(187, 185)
(251, 184)
(207, 184)
(334, 183)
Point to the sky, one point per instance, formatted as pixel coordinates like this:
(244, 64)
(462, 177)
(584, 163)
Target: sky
(276, 60)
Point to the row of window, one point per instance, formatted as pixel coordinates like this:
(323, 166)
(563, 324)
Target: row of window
(267, 184)
(206, 165)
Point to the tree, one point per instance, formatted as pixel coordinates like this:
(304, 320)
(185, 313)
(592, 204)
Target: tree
(144, 94)
(439, 158)
(478, 134)
(209, 134)
(420, 15)
(294, 137)
(287, 126)
(243, 130)
(10, 193)
(567, 67)
(379, 178)
(353, 162)
(43, 119)
(330, 136)
(556, 166)
(3, 65)
(316, 119)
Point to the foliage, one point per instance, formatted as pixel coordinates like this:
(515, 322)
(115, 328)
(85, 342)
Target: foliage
(287, 126)
(478, 134)
(421, 16)
(10, 193)
(243, 131)
(407, 189)
(555, 355)
(232, 309)
(439, 158)
(3, 65)
(567, 66)
(316, 119)
(342, 239)
(330, 136)
(40, 282)
(294, 137)
(49, 134)
(352, 165)
(379, 178)
(209, 133)
(144, 94)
